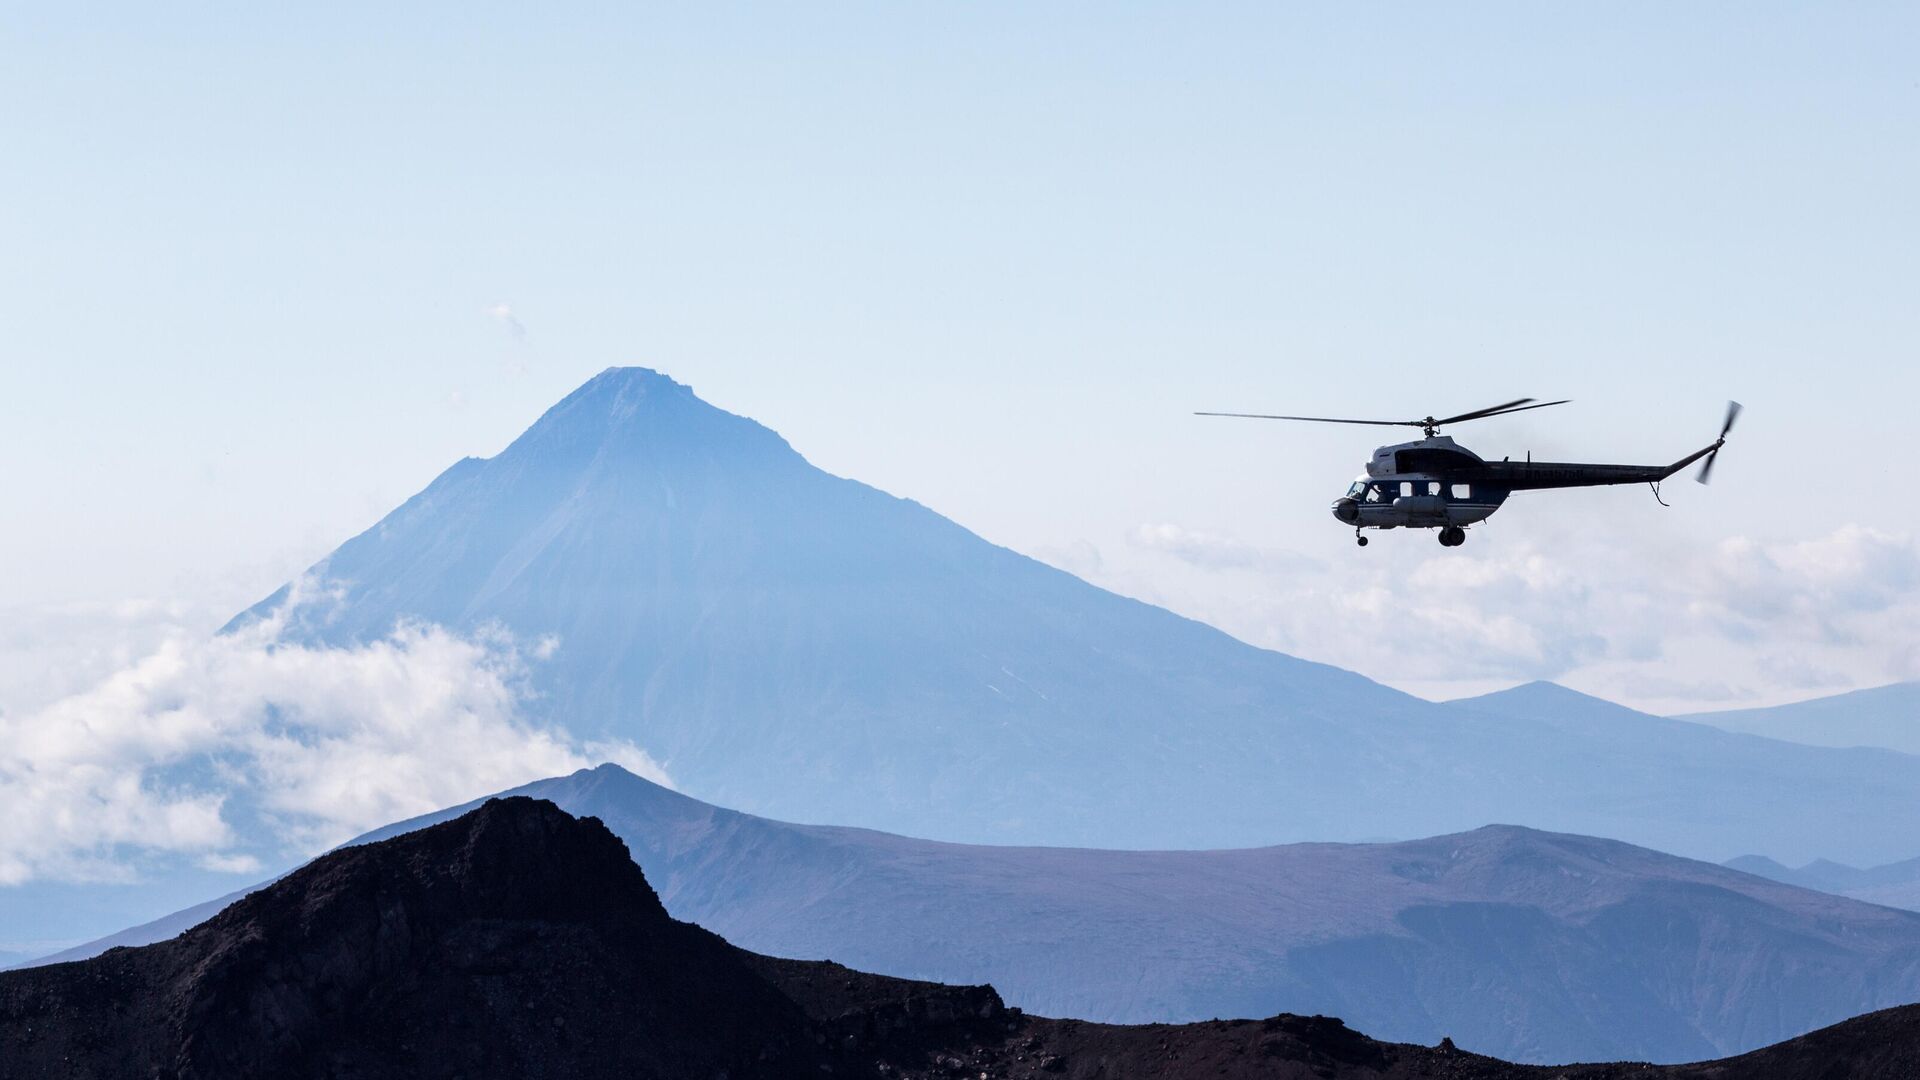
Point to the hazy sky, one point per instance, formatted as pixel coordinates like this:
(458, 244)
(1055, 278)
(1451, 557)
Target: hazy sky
(267, 272)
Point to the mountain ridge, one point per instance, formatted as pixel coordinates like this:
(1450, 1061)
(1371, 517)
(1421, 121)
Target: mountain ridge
(1532, 945)
(518, 940)
(1895, 884)
(1883, 716)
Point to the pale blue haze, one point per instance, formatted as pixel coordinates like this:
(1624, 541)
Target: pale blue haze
(269, 274)
(984, 256)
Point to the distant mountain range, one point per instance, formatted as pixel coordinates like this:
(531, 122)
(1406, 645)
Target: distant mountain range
(1886, 716)
(517, 941)
(1528, 945)
(804, 646)
(1894, 884)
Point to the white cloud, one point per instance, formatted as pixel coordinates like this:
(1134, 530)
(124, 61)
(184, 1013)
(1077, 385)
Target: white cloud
(222, 863)
(503, 314)
(1213, 552)
(50, 651)
(1643, 617)
(1814, 589)
(191, 749)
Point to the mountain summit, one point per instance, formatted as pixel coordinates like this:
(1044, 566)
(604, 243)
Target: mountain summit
(804, 646)
(789, 640)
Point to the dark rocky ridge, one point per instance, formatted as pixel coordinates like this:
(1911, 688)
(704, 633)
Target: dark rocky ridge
(465, 949)
(518, 941)
(1528, 946)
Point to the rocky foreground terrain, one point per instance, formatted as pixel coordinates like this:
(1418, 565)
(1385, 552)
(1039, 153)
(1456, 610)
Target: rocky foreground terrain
(1530, 946)
(517, 941)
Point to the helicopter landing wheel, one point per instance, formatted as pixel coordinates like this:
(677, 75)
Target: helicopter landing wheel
(1452, 536)
(1358, 539)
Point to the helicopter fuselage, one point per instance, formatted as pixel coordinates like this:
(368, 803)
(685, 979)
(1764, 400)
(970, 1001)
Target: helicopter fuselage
(1435, 483)
(1424, 484)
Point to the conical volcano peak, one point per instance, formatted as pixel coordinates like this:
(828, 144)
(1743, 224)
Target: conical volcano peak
(628, 409)
(624, 391)
(806, 646)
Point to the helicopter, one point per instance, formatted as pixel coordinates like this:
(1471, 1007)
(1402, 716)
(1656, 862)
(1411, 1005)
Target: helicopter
(1435, 483)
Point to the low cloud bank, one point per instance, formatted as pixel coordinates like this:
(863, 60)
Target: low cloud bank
(221, 750)
(1645, 618)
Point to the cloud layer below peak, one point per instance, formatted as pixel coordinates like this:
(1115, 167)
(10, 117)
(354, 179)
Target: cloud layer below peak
(237, 750)
(1640, 617)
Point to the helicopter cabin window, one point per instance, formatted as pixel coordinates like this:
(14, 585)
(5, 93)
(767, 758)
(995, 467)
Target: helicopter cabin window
(1406, 488)
(1463, 491)
(1433, 487)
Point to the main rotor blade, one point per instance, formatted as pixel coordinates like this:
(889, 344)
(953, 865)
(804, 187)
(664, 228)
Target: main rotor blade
(1500, 410)
(1315, 419)
(1477, 413)
(1519, 405)
(1733, 413)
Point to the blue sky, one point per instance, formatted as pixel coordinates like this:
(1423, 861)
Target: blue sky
(270, 271)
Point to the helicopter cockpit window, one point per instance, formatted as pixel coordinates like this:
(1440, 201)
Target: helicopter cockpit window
(1358, 490)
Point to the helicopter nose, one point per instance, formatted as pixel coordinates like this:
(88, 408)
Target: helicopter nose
(1346, 510)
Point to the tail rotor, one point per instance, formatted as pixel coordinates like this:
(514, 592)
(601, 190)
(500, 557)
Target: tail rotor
(1706, 467)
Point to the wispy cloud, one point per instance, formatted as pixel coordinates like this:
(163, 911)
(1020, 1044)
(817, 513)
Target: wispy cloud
(1812, 589)
(1213, 552)
(1738, 619)
(205, 744)
(1079, 558)
(50, 651)
(502, 313)
(224, 863)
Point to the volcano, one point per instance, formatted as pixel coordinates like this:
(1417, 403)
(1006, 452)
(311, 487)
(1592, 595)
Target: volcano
(803, 646)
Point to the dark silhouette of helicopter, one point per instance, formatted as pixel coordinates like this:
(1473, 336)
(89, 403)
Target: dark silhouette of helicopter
(1435, 483)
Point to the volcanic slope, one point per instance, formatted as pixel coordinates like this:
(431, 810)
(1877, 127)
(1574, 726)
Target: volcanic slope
(1531, 946)
(801, 645)
(519, 941)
